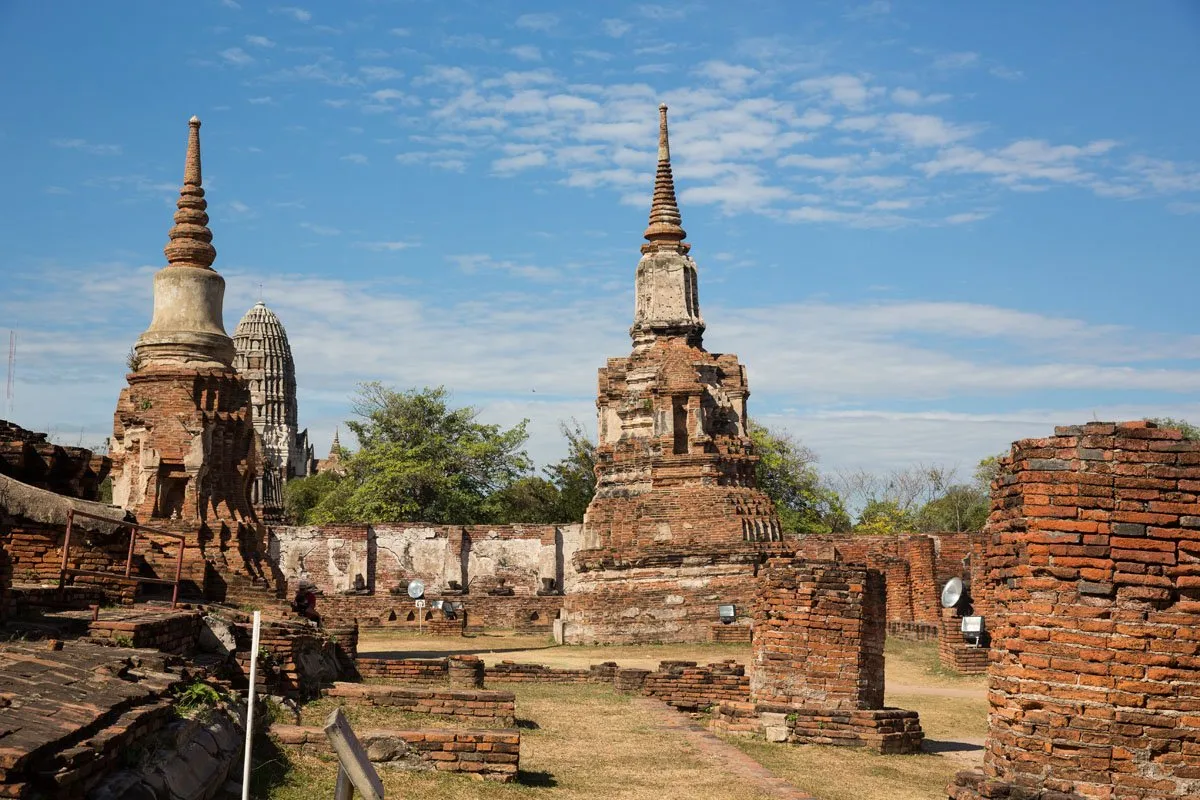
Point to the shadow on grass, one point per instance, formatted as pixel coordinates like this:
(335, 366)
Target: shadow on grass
(269, 767)
(526, 724)
(538, 778)
(936, 746)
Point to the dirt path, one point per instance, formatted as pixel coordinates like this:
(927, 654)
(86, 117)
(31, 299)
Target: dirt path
(937, 691)
(736, 764)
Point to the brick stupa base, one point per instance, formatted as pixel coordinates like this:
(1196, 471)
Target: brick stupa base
(816, 674)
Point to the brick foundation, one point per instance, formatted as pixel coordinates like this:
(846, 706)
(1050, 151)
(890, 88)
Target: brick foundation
(169, 632)
(913, 631)
(498, 707)
(885, 730)
(482, 754)
(721, 633)
(1093, 559)
(404, 670)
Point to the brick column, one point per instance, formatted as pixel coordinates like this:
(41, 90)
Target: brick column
(1093, 571)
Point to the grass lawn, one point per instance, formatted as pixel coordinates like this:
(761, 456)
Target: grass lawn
(590, 742)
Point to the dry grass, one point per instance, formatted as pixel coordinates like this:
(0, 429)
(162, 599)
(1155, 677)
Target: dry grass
(534, 649)
(590, 743)
(364, 716)
(593, 743)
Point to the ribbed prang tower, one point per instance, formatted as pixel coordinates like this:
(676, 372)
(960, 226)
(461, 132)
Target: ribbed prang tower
(677, 525)
(183, 446)
(264, 358)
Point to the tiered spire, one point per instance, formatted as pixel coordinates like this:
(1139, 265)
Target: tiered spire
(191, 240)
(665, 230)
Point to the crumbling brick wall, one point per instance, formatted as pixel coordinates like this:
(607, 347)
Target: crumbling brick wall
(1093, 559)
(819, 629)
(30, 458)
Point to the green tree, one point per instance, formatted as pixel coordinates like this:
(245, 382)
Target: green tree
(1188, 430)
(575, 475)
(302, 495)
(530, 499)
(421, 460)
(787, 474)
(883, 517)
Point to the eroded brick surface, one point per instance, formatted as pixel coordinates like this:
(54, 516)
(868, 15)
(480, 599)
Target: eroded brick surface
(1093, 567)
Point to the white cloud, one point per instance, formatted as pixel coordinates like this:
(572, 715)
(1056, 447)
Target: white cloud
(400, 32)
(925, 130)
(730, 77)
(477, 262)
(265, 100)
(381, 73)
(911, 97)
(388, 247)
(259, 41)
(967, 217)
(850, 91)
(834, 374)
(1184, 208)
(1024, 161)
(526, 52)
(616, 28)
(354, 158)
(661, 13)
(869, 11)
(298, 14)
(537, 22)
(519, 158)
(824, 164)
(236, 56)
(84, 146)
(951, 61)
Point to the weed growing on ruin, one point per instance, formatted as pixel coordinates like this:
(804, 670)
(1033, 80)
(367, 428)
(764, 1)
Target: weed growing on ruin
(145, 404)
(121, 640)
(132, 360)
(196, 700)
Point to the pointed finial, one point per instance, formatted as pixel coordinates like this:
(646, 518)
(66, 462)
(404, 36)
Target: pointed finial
(191, 240)
(665, 230)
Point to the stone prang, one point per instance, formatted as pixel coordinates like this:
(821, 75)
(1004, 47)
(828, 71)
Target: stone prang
(264, 358)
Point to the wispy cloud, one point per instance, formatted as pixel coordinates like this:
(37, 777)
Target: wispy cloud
(236, 56)
(526, 52)
(875, 9)
(378, 74)
(537, 22)
(616, 28)
(388, 247)
(84, 146)
(354, 158)
(298, 14)
(259, 41)
(320, 230)
(477, 262)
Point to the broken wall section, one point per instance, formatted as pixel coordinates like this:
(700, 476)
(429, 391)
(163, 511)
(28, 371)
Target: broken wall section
(1092, 565)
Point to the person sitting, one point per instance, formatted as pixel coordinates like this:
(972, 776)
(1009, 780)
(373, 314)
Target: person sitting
(305, 602)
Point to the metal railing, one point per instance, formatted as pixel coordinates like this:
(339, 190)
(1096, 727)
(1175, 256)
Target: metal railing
(128, 576)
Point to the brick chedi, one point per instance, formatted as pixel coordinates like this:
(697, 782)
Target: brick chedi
(676, 526)
(816, 669)
(264, 358)
(1091, 588)
(183, 446)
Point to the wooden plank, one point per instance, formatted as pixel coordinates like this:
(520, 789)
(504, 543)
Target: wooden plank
(352, 756)
(344, 789)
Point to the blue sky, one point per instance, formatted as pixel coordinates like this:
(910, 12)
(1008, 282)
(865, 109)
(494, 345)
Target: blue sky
(927, 228)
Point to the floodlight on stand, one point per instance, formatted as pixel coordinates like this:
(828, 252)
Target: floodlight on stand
(416, 590)
(972, 630)
(952, 593)
(437, 604)
(727, 614)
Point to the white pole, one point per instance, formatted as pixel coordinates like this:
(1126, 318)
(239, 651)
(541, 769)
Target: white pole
(250, 709)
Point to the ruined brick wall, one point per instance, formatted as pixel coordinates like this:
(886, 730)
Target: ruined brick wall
(33, 530)
(30, 458)
(909, 561)
(688, 686)
(667, 597)
(488, 754)
(170, 633)
(405, 670)
(516, 559)
(464, 704)
(953, 552)
(528, 614)
(953, 650)
(1093, 553)
(819, 629)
